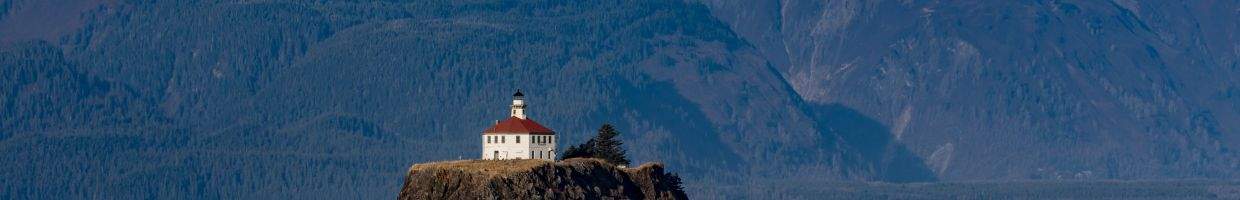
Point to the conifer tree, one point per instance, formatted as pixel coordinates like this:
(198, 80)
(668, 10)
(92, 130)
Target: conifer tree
(579, 151)
(608, 147)
(604, 146)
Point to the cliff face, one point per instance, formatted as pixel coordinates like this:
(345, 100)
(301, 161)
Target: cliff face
(304, 79)
(1020, 89)
(537, 179)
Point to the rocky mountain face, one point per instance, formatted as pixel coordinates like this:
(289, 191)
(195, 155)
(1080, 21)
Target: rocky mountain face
(288, 99)
(537, 179)
(1020, 89)
(298, 98)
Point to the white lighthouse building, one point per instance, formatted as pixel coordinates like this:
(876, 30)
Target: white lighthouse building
(518, 137)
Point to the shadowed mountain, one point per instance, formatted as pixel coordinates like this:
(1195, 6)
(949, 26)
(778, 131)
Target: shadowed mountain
(873, 141)
(332, 99)
(1020, 89)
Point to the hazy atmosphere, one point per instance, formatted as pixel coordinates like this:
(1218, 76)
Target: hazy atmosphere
(771, 99)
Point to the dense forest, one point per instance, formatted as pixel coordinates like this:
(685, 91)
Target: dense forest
(1002, 90)
(159, 99)
(335, 99)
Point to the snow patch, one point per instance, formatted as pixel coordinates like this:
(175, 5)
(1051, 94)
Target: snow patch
(941, 158)
(902, 122)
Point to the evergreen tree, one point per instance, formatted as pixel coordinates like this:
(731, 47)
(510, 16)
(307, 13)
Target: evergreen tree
(604, 146)
(608, 147)
(579, 151)
(674, 182)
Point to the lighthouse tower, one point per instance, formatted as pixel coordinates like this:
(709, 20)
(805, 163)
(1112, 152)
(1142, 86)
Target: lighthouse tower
(518, 105)
(518, 136)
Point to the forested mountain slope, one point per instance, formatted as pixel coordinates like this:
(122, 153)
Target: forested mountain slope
(333, 99)
(1021, 89)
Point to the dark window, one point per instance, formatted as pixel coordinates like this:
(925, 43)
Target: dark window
(518, 139)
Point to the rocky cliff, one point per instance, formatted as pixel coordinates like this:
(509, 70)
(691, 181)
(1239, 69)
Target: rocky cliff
(1019, 89)
(538, 179)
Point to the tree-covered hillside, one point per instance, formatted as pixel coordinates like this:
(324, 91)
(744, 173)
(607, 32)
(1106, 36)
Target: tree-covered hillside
(1064, 89)
(236, 99)
(334, 99)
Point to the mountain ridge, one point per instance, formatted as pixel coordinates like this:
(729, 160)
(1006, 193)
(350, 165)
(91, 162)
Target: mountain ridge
(308, 96)
(1025, 90)
(308, 99)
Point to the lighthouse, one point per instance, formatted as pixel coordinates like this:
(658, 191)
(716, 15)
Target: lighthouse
(518, 136)
(518, 105)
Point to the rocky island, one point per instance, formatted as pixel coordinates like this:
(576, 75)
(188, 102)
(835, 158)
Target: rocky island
(577, 178)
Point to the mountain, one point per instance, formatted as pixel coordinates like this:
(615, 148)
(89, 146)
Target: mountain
(333, 99)
(309, 99)
(1020, 89)
(576, 178)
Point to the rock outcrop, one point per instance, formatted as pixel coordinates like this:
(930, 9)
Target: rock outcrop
(539, 179)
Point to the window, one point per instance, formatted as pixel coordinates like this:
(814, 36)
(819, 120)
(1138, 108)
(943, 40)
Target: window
(518, 139)
(488, 139)
(503, 139)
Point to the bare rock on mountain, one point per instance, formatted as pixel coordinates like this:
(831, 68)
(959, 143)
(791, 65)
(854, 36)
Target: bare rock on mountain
(1029, 89)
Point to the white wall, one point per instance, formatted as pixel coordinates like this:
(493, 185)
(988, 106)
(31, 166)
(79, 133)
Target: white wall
(505, 146)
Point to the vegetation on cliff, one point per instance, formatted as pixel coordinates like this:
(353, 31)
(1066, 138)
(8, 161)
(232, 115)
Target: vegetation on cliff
(288, 99)
(578, 178)
(604, 146)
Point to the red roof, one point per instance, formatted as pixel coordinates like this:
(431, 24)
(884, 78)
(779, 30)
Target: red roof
(518, 125)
